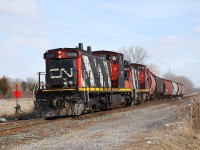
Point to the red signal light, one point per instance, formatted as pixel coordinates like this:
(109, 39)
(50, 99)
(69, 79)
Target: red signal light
(17, 93)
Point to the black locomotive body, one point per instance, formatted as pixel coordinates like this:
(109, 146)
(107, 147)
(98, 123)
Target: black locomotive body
(78, 81)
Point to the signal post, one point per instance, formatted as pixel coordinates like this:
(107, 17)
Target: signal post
(17, 94)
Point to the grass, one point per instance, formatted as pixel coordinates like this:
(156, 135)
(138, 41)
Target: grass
(182, 135)
(26, 105)
(23, 115)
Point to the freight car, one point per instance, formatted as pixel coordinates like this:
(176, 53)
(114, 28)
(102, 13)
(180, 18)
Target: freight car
(152, 87)
(79, 81)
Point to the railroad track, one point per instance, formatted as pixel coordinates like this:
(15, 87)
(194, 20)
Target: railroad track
(192, 94)
(15, 126)
(10, 127)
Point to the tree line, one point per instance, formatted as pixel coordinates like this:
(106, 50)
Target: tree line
(7, 86)
(140, 55)
(189, 86)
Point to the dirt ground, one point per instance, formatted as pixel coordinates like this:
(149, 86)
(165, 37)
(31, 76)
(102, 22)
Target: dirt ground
(8, 109)
(114, 129)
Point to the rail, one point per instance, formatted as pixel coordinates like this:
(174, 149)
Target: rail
(192, 94)
(6, 128)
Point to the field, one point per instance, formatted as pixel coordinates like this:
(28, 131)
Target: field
(9, 110)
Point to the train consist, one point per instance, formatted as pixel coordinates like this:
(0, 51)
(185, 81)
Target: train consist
(79, 81)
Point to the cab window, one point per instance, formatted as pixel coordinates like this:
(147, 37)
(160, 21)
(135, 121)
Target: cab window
(126, 75)
(114, 59)
(103, 57)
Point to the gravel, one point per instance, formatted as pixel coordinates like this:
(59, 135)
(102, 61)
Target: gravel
(103, 132)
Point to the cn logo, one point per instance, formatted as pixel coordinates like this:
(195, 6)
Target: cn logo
(60, 73)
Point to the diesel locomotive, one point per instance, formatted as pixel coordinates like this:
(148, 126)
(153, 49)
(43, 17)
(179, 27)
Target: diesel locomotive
(78, 81)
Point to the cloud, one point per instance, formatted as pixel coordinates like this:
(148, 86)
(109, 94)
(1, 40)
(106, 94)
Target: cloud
(197, 29)
(23, 39)
(22, 22)
(18, 7)
(33, 42)
(167, 46)
(19, 60)
(179, 53)
(19, 17)
(189, 69)
(143, 9)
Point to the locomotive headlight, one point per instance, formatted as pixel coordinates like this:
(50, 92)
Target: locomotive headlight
(59, 54)
(70, 82)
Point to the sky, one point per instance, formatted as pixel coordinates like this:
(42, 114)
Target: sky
(168, 30)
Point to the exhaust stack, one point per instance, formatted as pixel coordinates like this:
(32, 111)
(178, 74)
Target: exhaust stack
(80, 46)
(89, 49)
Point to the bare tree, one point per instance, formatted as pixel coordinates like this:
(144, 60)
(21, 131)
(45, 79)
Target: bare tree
(154, 68)
(24, 85)
(30, 83)
(135, 54)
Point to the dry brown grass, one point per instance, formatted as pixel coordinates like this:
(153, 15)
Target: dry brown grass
(182, 135)
(8, 111)
(28, 114)
(26, 104)
(168, 138)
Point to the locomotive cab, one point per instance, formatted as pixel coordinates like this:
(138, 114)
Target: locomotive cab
(142, 90)
(117, 66)
(128, 74)
(142, 71)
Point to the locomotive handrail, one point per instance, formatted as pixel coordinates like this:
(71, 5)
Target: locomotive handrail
(37, 84)
(39, 79)
(85, 85)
